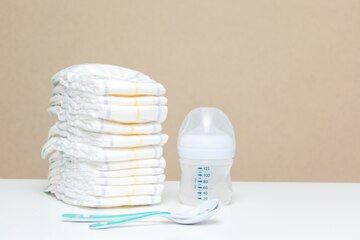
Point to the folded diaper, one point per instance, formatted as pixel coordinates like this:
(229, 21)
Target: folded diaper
(105, 150)
(123, 114)
(135, 180)
(99, 154)
(91, 201)
(107, 191)
(60, 159)
(103, 126)
(87, 171)
(108, 140)
(99, 79)
(61, 98)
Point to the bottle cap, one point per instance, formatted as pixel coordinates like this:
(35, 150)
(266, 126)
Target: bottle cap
(206, 133)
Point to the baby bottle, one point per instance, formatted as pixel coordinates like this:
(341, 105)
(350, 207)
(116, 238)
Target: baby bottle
(206, 146)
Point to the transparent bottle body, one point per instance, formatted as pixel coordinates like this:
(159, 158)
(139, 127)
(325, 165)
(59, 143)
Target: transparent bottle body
(202, 180)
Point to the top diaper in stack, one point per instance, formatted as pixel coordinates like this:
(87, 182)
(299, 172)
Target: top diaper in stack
(105, 150)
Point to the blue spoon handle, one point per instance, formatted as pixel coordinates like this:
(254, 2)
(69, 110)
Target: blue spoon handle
(109, 224)
(95, 218)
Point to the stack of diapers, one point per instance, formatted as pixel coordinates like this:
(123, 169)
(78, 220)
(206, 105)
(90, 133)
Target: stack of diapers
(106, 148)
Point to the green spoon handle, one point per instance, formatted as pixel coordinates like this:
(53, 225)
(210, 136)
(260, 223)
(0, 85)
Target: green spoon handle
(95, 218)
(109, 224)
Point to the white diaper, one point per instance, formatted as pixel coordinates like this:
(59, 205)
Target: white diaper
(60, 97)
(124, 114)
(58, 158)
(72, 178)
(88, 171)
(90, 201)
(98, 154)
(106, 191)
(99, 79)
(103, 126)
(108, 140)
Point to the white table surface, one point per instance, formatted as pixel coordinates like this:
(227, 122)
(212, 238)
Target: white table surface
(258, 211)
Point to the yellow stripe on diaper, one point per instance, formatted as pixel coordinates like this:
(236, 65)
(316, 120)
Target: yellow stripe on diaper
(136, 88)
(136, 103)
(129, 198)
(140, 140)
(137, 113)
(134, 153)
(134, 181)
(137, 165)
(132, 190)
(132, 130)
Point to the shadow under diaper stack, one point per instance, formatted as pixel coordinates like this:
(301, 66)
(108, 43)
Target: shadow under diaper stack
(105, 150)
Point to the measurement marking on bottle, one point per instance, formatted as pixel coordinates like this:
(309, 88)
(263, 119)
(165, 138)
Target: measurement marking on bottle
(201, 182)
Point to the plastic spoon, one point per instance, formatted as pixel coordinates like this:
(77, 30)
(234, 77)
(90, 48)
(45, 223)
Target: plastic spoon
(200, 213)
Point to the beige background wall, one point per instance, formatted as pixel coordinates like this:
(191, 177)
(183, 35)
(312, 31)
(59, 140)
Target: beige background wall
(287, 73)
